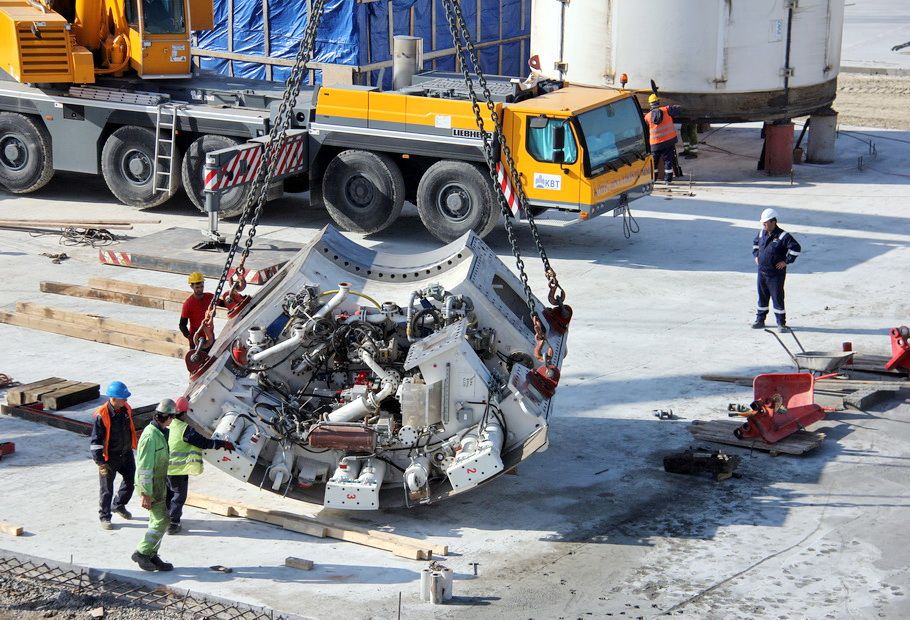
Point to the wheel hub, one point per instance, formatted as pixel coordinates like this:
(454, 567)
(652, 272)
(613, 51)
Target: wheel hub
(13, 152)
(454, 202)
(359, 192)
(136, 167)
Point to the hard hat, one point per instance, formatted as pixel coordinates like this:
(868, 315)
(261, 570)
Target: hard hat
(767, 215)
(166, 407)
(117, 389)
(652, 98)
(195, 278)
(182, 404)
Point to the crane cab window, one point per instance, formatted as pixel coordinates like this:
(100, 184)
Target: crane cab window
(551, 140)
(163, 16)
(613, 135)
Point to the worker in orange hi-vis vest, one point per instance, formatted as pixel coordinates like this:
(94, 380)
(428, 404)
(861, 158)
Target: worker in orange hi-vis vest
(662, 133)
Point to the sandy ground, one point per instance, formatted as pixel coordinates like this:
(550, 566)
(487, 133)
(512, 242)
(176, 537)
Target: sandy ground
(592, 527)
(873, 100)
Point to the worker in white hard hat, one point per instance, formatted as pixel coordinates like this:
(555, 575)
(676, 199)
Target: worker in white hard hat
(773, 249)
(662, 134)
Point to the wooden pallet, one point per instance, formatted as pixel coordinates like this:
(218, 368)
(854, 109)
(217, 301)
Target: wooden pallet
(54, 393)
(721, 431)
(402, 546)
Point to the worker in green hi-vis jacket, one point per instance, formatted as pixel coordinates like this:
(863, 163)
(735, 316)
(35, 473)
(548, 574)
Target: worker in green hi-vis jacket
(152, 458)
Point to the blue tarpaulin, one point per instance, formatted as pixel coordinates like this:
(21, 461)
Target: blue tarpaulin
(358, 34)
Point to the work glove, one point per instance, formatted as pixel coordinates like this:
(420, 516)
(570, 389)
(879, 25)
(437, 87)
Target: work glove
(227, 445)
(103, 469)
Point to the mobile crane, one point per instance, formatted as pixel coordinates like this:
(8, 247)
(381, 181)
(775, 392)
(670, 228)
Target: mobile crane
(105, 86)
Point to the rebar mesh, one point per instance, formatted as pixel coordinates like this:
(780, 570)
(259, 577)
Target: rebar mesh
(81, 581)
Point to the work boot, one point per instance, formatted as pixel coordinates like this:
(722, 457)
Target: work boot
(173, 528)
(758, 324)
(161, 564)
(782, 328)
(106, 524)
(668, 178)
(123, 513)
(145, 562)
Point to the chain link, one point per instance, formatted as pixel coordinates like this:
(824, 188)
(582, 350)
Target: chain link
(256, 198)
(459, 32)
(557, 293)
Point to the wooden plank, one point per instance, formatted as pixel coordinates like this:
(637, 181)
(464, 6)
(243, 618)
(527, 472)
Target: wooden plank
(137, 343)
(721, 431)
(738, 380)
(35, 395)
(401, 546)
(87, 292)
(14, 395)
(134, 288)
(298, 563)
(94, 321)
(67, 397)
(8, 528)
(50, 419)
(130, 299)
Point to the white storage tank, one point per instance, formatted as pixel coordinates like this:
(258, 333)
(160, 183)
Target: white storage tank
(722, 60)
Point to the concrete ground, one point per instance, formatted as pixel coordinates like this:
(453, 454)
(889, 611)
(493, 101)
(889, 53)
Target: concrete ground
(871, 29)
(593, 527)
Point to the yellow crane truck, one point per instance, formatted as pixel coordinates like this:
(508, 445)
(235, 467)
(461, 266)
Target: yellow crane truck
(106, 87)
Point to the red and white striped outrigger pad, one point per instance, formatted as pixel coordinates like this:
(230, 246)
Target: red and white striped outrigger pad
(243, 167)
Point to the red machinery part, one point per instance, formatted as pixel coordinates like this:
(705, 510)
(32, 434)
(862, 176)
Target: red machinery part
(558, 318)
(900, 348)
(796, 409)
(7, 448)
(545, 379)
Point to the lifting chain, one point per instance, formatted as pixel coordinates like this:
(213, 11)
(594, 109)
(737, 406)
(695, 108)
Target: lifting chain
(460, 32)
(271, 150)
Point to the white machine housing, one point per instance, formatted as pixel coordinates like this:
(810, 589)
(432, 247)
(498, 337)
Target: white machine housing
(367, 380)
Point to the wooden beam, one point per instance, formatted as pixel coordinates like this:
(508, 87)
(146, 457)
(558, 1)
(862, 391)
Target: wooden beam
(299, 563)
(16, 396)
(73, 395)
(49, 419)
(134, 288)
(402, 546)
(87, 292)
(8, 528)
(94, 321)
(126, 341)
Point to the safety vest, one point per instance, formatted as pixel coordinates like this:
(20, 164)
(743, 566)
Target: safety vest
(663, 131)
(185, 459)
(104, 412)
(151, 464)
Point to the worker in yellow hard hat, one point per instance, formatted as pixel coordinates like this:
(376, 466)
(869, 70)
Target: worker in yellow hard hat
(662, 132)
(194, 308)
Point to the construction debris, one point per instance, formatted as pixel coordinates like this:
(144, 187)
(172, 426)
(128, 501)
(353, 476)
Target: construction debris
(721, 466)
(298, 563)
(6, 448)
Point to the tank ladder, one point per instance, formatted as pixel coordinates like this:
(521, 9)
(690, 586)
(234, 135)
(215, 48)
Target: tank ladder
(165, 146)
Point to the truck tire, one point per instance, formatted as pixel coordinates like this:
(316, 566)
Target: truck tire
(26, 160)
(233, 201)
(363, 191)
(454, 197)
(127, 161)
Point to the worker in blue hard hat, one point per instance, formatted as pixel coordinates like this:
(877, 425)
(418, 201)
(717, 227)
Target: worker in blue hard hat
(112, 443)
(662, 134)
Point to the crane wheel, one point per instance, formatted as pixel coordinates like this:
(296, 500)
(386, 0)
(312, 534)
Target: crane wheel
(127, 161)
(233, 201)
(454, 197)
(26, 162)
(363, 191)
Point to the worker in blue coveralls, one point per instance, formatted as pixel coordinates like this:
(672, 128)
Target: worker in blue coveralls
(773, 249)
